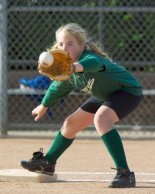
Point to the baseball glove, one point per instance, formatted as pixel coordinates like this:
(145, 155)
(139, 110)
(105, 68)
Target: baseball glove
(61, 68)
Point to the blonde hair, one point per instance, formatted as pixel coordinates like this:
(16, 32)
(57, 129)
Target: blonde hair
(81, 36)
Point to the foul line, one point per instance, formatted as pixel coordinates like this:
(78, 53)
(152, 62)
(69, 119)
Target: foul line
(104, 173)
(75, 178)
(93, 180)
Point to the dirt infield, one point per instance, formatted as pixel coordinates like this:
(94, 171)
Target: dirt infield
(84, 156)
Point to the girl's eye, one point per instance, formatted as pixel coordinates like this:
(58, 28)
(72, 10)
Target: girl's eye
(70, 44)
(60, 45)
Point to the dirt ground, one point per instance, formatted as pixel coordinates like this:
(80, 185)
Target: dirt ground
(82, 156)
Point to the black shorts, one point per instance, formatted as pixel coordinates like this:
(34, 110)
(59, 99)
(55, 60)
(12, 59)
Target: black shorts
(121, 102)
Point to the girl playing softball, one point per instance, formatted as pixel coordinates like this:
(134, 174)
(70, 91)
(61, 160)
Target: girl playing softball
(114, 94)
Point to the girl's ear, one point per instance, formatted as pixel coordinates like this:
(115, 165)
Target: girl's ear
(82, 47)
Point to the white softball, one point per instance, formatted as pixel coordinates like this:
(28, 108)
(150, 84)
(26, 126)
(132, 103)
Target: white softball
(46, 58)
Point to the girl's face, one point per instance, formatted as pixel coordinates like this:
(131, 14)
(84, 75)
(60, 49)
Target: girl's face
(68, 43)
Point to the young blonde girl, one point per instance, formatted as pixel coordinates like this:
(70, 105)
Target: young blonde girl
(114, 94)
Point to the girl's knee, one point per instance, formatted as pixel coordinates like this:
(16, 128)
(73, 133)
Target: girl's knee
(103, 122)
(68, 123)
(102, 125)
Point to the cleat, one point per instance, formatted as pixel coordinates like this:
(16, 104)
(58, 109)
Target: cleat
(123, 179)
(39, 164)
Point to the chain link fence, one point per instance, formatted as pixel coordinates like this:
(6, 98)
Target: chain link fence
(124, 29)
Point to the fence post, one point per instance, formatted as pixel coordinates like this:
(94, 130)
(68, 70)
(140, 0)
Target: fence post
(101, 25)
(3, 68)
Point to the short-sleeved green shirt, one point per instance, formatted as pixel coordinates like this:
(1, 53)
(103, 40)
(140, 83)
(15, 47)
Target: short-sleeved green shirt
(101, 78)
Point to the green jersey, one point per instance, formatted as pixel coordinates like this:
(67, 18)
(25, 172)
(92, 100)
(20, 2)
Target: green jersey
(100, 78)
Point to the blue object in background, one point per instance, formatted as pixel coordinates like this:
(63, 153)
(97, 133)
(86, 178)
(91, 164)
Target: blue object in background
(39, 82)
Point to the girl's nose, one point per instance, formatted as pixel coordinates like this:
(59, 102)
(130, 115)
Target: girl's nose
(65, 47)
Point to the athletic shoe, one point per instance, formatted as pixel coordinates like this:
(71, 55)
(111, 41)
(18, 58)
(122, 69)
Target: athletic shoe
(123, 179)
(39, 164)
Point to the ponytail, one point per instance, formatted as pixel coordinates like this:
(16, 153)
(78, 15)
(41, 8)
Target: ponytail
(92, 46)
